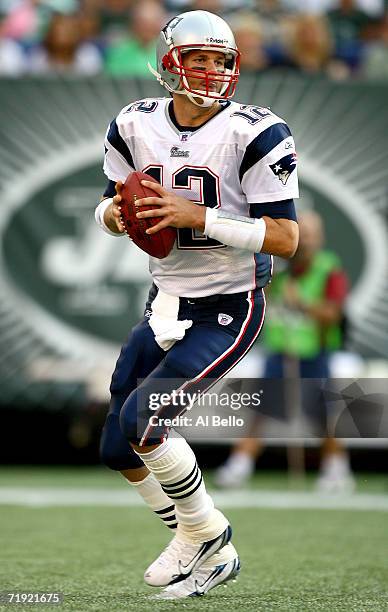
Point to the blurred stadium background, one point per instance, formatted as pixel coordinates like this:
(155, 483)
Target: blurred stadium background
(66, 68)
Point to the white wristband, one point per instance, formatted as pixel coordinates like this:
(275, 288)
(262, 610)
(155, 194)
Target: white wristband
(233, 230)
(99, 217)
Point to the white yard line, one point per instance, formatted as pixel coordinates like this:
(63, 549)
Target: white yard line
(54, 496)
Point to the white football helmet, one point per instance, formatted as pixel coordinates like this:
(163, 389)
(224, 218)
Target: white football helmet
(187, 32)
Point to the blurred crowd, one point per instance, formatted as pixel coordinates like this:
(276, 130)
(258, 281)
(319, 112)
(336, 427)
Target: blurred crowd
(338, 38)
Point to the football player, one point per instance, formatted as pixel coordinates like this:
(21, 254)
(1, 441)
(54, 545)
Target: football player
(227, 175)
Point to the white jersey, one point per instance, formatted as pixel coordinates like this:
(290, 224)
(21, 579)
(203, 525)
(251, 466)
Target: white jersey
(242, 155)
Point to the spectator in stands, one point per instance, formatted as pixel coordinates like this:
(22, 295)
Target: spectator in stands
(129, 56)
(272, 33)
(213, 6)
(89, 23)
(23, 22)
(12, 58)
(224, 8)
(174, 7)
(273, 17)
(114, 19)
(63, 50)
(303, 327)
(373, 8)
(248, 33)
(348, 26)
(376, 57)
(308, 44)
(276, 23)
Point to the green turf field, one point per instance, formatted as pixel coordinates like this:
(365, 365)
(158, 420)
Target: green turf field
(304, 559)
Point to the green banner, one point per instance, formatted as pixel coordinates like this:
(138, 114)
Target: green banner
(69, 291)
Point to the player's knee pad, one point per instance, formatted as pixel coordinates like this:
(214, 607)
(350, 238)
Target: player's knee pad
(115, 450)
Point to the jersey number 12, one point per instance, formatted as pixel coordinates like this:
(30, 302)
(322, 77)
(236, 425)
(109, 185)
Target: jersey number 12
(209, 189)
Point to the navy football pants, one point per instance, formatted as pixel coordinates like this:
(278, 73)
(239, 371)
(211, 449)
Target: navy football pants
(208, 351)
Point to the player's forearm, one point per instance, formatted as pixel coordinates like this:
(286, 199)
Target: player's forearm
(281, 237)
(199, 220)
(235, 230)
(277, 237)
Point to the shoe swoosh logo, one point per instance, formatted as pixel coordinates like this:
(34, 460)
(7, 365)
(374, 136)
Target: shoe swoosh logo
(187, 569)
(200, 588)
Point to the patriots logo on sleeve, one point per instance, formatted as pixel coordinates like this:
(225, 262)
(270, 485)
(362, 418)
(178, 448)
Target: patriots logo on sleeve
(284, 167)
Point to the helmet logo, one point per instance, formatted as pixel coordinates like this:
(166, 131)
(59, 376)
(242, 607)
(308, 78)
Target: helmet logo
(174, 22)
(168, 28)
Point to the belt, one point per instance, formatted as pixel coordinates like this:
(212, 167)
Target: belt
(212, 299)
(207, 299)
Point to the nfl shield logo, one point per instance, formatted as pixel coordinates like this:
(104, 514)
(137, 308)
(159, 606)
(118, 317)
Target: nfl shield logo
(224, 319)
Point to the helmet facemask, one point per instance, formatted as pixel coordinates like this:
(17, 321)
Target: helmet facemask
(218, 85)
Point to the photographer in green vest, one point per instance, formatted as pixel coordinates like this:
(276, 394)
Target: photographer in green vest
(306, 305)
(304, 325)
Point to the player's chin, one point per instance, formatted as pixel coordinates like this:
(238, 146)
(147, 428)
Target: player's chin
(213, 89)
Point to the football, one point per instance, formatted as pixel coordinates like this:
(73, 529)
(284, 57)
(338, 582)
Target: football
(157, 245)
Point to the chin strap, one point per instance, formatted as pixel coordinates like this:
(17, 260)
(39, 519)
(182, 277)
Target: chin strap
(198, 100)
(156, 74)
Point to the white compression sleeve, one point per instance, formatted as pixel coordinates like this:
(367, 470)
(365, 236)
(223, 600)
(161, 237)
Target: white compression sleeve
(233, 230)
(99, 217)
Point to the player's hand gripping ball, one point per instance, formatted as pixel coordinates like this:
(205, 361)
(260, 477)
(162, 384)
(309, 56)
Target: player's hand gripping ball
(157, 245)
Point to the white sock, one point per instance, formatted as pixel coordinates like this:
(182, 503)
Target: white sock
(174, 465)
(157, 500)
